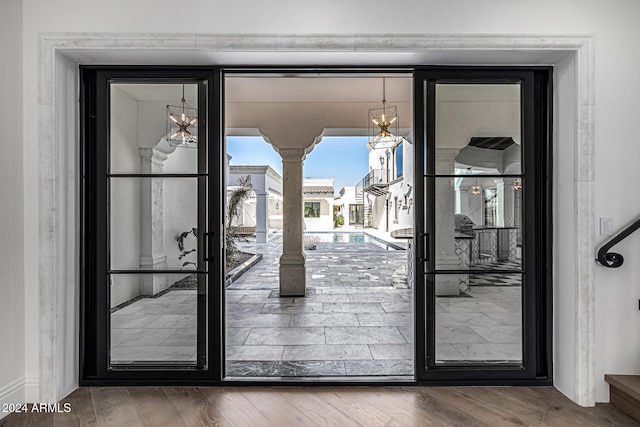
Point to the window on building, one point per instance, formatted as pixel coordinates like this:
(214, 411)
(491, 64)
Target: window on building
(356, 214)
(397, 154)
(312, 209)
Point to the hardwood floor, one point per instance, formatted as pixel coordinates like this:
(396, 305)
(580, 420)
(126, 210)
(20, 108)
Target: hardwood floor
(369, 407)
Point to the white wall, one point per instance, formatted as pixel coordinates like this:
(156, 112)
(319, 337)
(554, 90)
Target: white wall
(325, 221)
(125, 197)
(617, 60)
(12, 254)
(180, 205)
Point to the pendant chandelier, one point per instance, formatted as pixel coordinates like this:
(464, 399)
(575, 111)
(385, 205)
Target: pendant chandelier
(182, 121)
(383, 122)
(517, 184)
(475, 189)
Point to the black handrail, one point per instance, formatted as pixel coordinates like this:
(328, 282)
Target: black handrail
(612, 259)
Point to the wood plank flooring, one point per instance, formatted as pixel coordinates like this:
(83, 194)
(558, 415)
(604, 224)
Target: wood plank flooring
(313, 406)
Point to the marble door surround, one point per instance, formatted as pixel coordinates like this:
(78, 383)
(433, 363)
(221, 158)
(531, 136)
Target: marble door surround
(60, 54)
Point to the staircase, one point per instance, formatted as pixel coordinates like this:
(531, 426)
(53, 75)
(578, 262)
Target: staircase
(624, 393)
(360, 201)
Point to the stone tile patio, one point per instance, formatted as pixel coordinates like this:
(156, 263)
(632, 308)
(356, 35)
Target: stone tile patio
(353, 321)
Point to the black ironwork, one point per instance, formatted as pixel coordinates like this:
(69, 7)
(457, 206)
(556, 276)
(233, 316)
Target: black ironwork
(613, 259)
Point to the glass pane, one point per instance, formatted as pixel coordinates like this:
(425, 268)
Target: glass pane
(141, 128)
(147, 218)
(478, 223)
(484, 323)
(478, 126)
(153, 328)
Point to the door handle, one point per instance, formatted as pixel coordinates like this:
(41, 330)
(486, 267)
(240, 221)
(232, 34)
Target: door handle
(422, 247)
(426, 246)
(205, 246)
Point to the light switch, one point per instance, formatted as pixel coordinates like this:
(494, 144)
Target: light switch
(606, 226)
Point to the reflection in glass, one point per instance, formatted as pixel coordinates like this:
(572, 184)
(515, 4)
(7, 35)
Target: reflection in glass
(146, 217)
(483, 326)
(478, 126)
(153, 328)
(138, 127)
(480, 230)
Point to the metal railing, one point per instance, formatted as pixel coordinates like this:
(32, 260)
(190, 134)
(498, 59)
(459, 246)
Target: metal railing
(376, 177)
(612, 259)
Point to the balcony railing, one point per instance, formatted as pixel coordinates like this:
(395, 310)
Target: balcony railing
(377, 177)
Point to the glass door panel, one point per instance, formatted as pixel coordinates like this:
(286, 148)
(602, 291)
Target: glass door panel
(478, 303)
(483, 158)
(157, 221)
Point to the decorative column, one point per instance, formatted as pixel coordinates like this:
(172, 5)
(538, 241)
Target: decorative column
(504, 205)
(261, 216)
(292, 261)
(152, 256)
(446, 258)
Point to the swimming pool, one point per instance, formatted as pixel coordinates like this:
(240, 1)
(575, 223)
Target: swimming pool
(350, 237)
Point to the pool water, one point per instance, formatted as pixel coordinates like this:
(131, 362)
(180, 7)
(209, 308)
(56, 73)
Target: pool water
(345, 237)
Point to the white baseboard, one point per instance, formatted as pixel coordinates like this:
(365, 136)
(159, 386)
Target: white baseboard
(12, 393)
(32, 389)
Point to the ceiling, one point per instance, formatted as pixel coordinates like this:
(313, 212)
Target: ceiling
(286, 88)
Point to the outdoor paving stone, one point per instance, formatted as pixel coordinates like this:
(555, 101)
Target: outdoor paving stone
(362, 307)
(378, 297)
(500, 334)
(304, 368)
(285, 336)
(480, 351)
(153, 354)
(326, 352)
(254, 352)
(457, 334)
(391, 351)
(134, 320)
(324, 298)
(303, 307)
(396, 307)
(505, 319)
(511, 351)
(345, 290)
(379, 367)
(254, 368)
(324, 319)
(407, 332)
(258, 321)
(257, 299)
(248, 308)
(177, 321)
(364, 335)
(464, 319)
(445, 352)
(168, 308)
(237, 336)
(459, 305)
(385, 319)
(181, 337)
(139, 337)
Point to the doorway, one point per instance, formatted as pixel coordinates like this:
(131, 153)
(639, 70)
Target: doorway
(432, 361)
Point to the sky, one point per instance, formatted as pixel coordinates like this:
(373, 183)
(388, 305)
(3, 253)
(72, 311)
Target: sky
(346, 159)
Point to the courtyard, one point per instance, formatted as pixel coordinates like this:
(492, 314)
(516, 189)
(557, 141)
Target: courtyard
(355, 320)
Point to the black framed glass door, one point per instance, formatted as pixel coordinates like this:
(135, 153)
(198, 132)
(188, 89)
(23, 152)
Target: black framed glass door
(482, 238)
(153, 218)
(151, 166)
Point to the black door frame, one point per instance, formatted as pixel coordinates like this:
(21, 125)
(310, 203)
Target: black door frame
(536, 113)
(94, 157)
(93, 318)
